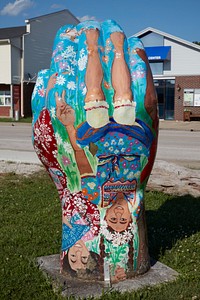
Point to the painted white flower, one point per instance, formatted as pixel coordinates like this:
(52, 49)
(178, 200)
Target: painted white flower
(132, 227)
(103, 174)
(91, 185)
(84, 91)
(58, 138)
(116, 151)
(111, 148)
(82, 52)
(39, 81)
(113, 142)
(67, 147)
(137, 174)
(127, 235)
(53, 112)
(125, 171)
(120, 142)
(60, 80)
(67, 54)
(70, 49)
(109, 235)
(55, 153)
(117, 239)
(71, 85)
(82, 62)
(45, 130)
(43, 71)
(130, 175)
(106, 144)
(123, 149)
(70, 70)
(73, 62)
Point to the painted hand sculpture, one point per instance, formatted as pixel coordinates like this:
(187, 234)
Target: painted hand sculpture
(95, 129)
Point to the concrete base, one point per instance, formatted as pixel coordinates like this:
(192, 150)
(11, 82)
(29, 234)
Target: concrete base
(159, 273)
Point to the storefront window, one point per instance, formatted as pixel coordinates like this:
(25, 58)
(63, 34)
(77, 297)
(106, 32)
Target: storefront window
(5, 98)
(165, 93)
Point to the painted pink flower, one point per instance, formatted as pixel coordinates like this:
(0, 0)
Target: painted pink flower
(66, 161)
(58, 58)
(63, 65)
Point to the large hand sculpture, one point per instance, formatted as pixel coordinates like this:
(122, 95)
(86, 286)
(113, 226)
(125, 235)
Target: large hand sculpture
(95, 129)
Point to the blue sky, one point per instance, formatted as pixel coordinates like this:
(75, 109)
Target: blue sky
(176, 17)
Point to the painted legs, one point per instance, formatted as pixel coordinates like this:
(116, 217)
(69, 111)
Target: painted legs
(95, 103)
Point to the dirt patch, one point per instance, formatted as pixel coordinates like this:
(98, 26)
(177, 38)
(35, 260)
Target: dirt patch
(19, 168)
(174, 179)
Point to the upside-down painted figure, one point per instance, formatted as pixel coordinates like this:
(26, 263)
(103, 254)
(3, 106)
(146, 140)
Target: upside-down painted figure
(95, 129)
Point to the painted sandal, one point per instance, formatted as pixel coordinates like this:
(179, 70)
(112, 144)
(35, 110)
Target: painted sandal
(124, 112)
(97, 113)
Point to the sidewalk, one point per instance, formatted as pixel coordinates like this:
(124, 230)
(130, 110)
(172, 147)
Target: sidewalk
(163, 124)
(179, 125)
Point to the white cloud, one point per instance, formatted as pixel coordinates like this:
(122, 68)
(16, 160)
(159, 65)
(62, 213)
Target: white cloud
(56, 6)
(16, 7)
(86, 18)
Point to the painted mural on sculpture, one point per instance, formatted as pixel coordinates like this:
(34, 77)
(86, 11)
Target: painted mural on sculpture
(95, 130)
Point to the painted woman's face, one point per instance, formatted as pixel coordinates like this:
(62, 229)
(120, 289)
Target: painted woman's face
(78, 256)
(118, 215)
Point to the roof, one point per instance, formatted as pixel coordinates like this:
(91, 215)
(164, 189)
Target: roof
(11, 32)
(167, 35)
(57, 12)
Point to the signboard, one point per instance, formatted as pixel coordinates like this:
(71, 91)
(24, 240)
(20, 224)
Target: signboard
(197, 97)
(188, 99)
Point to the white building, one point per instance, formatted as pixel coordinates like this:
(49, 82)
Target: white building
(24, 51)
(175, 65)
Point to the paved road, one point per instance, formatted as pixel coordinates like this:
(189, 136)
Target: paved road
(182, 147)
(174, 145)
(16, 144)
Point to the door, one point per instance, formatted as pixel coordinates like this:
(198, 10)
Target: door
(165, 93)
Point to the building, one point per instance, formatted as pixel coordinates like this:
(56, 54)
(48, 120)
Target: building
(175, 64)
(24, 51)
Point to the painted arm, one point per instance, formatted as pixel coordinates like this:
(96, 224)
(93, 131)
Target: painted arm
(65, 114)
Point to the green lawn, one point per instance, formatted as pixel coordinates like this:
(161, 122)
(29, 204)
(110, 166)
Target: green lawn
(30, 217)
(12, 120)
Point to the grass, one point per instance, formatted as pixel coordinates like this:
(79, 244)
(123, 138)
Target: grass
(30, 217)
(21, 120)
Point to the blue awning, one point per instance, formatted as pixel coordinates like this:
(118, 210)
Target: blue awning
(158, 53)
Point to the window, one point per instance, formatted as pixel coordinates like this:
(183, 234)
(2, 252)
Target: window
(156, 68)
(5, 98)
(165, 93)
